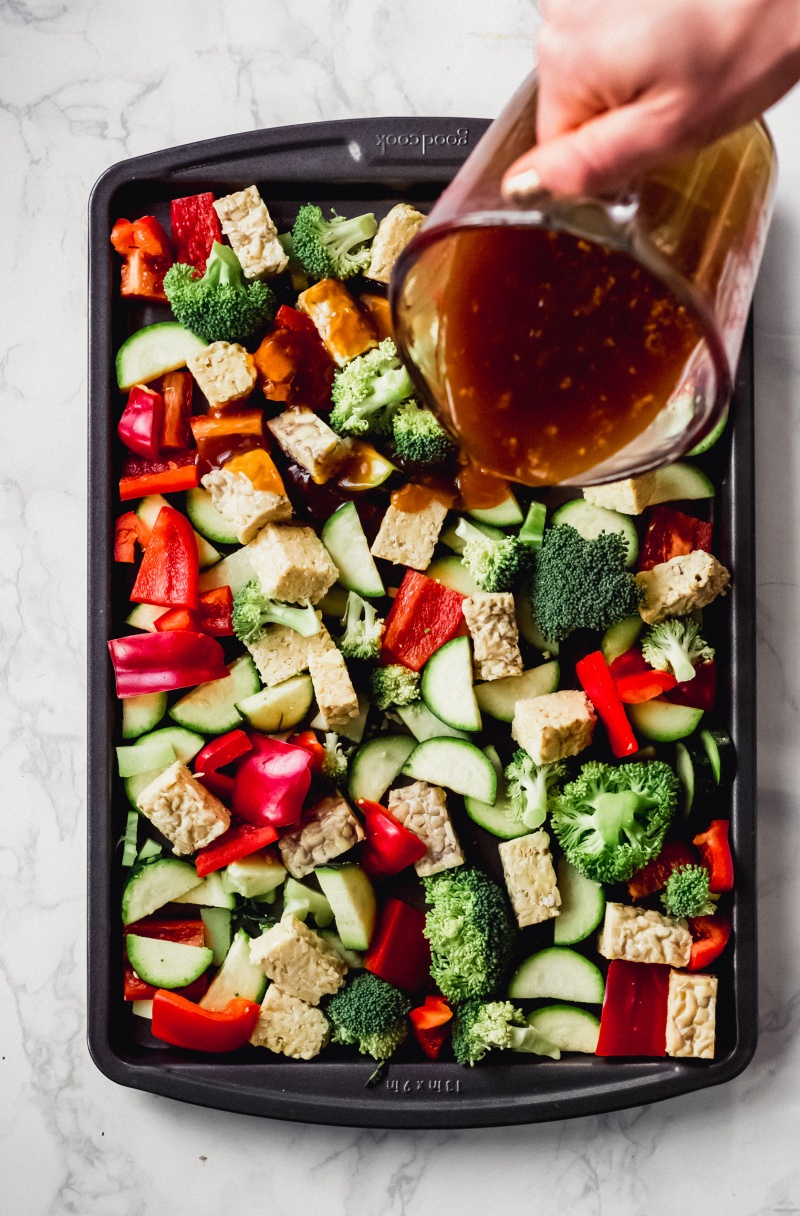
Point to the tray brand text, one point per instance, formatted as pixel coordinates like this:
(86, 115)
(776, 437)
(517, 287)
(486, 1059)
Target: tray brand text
(413, 139)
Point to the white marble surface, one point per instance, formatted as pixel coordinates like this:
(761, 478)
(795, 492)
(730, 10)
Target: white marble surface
(83, 84)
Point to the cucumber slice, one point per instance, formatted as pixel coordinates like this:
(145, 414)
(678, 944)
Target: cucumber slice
(506, 514)
(447, 688)
(455, 542)
(377, 764)
(154, 350)
(148, 511)
(301, 901)
(217, 926)
(662, 721)
(207, 520)
(569, 1028)
(526, 624)
(352, 898)
(277, 708)
(684, 767)
(334, 601)
(425, 725)
(149, 849)
(155, 754)
(354, 959)
(236, 977)
(499, 819)
(142, 714)
(456, 764)
(211, 708)
(142, 1009)
(711, 438)
(620, 637)
(185, 744)
(590, 521)
(498, 698)
(154, 884)
(233, 571)
(210, 893)
(343, 537)
(144, 616)
(451, 572)
(254, 876)
(560, 973)
(721, 753)
(583, 905)
(680, 481)
(353, 728)
(532, 531)
(166, 964)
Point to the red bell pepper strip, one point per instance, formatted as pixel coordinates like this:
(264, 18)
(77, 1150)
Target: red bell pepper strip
(217, 754)
(715, 853)
(134, 989)
(213, 615)
(644, 686)
(145, 246)
(699, 693)
(389, 846)
(139, 428)
(291, 318)
(631, 663)
(599, 687)
(163, 481)
(169, 571)
(184, 1024)
(311, 744)
(399, 951)
(177, 389)
(271, 783)
(195, 227)
(161, 662)
(128, 531)
(239, 841)
(655, 875)
(431, 1024)
(670, 534)
(188, 932)
(422, 618)
(710, 936)
(634, 1017)
(293, 365)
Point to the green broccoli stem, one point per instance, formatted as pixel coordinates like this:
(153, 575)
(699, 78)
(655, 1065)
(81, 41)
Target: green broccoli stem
(343, 235)
(681, 664)
(303, 620)
(529, 1039)
(223, 268)
(537, 789)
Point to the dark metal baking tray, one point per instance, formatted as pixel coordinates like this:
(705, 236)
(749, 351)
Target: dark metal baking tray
(372, 163)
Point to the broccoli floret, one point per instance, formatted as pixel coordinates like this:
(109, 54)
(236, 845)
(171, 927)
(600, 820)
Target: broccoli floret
(675, 645)
(334, 763)
(687, 893)
(363, 629)
(393, 685)
(367, 390)
(480, 1026)
(332, 249)
(611, 820)
(219, 306)
(496, 565)
(581, 583)
(370, 1014)
(418, 437)
(471, 931)
(253, 611)
(529, 787)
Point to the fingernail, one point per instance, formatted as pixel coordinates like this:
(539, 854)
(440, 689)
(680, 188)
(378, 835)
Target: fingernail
(522, 185)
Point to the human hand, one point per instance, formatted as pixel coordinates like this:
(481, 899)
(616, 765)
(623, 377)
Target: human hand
(624, 83)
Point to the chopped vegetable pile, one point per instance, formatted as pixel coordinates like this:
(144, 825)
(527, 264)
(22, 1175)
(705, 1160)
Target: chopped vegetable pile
(415, 764)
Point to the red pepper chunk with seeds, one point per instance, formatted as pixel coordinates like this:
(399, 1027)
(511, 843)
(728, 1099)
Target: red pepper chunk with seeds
(195, 227)
(670, 534)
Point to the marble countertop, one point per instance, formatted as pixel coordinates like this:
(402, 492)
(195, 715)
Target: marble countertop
(83, 85)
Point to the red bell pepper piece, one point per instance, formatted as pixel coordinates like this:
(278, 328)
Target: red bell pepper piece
(631, 663)
(184, 1024)
(292, 363)
(715, 853)
(217, 754)
(128, 531)
(195, 227)
(177, 389)
(239, 841)
(271, 782)
(599, 687)
(431, 1024)
(634, 1017)
(699, 693)
(422, 618)
(644, 686)
(389, 846)
(655, 875)
(134, 989)
(213, 615)
(169, 571)
(311, 744)
(291, 318)
(145, 246)
(139, 428)
(161, 662)
(670, 534)
(167, 480)
(399, 952)
(188, 932)
(710, 936)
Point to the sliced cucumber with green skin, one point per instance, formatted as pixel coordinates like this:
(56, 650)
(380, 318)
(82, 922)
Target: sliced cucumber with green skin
(144, 616)
(532, 531)
(280, 707)
(721, 753)
(353, 728)
(210, 893)
(568, 1028)
(619, 638)
(155, 754)
(334, 601)
(456, 764)
(149, 510)
(154, 350)
(447, 687)
(451, 572)
(505, 515)
(583, 906)
(207, 520)
(377, 764)
(254, 876)
(150, 848)
(237, 977)
(350, 894)
(142, 714)
(154, 884)
(425, 725)
(680, 481)
(301, 901)
(343, 537)
(455, 542)
(217, 932)
(233, 571)
(589, 521)
(166, 964)
(711, 438)
(211, 708)
(662, 721)
(560, 973)
(500, 819)
(185, 744)
(526, 624)
(498, 698)
(142, 1009)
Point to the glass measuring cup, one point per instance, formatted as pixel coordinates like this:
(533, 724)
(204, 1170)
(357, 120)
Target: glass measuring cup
(579, 341)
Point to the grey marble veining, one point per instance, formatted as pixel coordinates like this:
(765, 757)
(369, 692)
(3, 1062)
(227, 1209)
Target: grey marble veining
(83, 84)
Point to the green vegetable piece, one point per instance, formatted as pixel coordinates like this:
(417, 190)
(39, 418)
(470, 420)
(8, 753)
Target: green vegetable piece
(363, 629)
(221, 305)
(253, 611)
(332, 249)
(370, 1014)
(529, 785)
(675, 645)
(418, 437)
(581, 584)
(394, 685)
(496, 565)
(481, 1026)
(471, 931)
(367, 391)
(687, 893)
